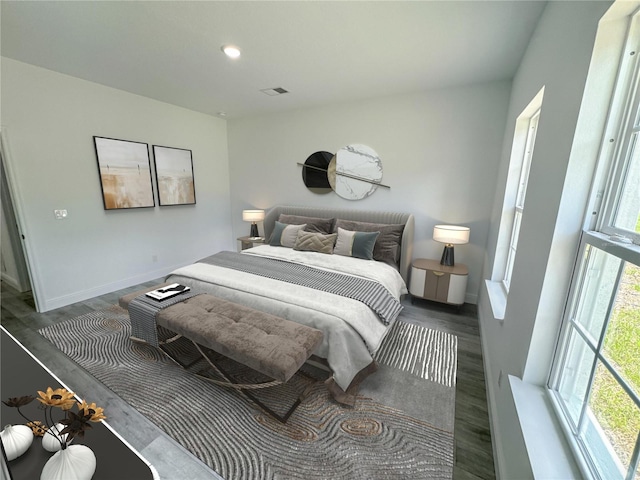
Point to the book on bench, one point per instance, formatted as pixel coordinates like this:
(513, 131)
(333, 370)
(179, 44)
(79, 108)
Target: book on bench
(168, 291)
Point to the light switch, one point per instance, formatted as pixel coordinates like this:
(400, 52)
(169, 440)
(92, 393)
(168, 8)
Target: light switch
(60, 214)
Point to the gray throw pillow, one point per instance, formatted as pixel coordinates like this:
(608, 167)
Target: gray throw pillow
(387, 247)
(285, 235)
(313, 224)
(315, 242)
(355, 244)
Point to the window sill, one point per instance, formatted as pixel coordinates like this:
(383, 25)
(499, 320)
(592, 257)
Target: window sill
(549, 453)
(497, 298)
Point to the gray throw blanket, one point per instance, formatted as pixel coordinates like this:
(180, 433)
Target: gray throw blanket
(369, 292)
(143, 311)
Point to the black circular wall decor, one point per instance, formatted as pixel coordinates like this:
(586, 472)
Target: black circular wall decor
(314, 172)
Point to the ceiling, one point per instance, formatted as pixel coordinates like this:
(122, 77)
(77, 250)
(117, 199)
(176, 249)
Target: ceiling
(322, 52)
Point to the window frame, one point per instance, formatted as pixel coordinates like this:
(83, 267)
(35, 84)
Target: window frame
(600, 232)
(627, 254)
(521, 192)
(624, 121)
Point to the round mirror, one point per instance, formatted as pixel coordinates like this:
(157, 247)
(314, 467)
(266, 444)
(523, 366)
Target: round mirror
(314, 172)
(355, 171)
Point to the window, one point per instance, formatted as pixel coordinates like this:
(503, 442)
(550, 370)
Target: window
(595, 382)
(525, 159)
(622, 216)
(524, 137)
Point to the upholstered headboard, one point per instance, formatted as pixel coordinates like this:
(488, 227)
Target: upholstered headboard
(406, 245)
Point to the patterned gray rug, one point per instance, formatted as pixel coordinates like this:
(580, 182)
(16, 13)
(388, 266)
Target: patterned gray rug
(321, 440)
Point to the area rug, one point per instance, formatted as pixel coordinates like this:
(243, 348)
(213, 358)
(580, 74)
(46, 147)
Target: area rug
(321, 440)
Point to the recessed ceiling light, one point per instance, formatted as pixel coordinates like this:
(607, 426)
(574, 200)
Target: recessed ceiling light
(222, 114)
(231, 51)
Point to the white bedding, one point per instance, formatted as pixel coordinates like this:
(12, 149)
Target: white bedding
(352, 331)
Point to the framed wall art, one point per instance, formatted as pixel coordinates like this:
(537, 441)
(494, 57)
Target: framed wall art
(174, 176)
(125, 173)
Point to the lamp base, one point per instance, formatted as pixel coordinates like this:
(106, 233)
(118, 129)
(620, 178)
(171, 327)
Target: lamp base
(447, 256)
(254, 230)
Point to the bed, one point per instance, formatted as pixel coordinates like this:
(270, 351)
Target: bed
(353, 326)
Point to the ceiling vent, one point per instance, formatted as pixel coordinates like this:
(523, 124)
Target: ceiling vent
(272, 92)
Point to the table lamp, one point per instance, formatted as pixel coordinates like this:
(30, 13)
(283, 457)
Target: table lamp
(253, 216)
(450, 235)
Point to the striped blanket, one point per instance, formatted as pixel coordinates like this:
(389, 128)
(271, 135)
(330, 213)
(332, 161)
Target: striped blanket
(369, 292)
(143, 311)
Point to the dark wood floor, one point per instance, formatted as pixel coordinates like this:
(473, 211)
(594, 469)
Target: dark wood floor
(474, 456)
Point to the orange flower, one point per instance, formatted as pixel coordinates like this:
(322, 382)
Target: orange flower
(37, 428)
(96, 413)
(60, 397)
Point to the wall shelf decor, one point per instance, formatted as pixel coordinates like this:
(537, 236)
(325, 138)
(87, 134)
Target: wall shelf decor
(354, 173)
(174, 176)
(314, 172)
(125, 173)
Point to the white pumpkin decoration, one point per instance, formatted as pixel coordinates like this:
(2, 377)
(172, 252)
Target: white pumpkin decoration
(16, 440)
(76, 462)
(50, 440)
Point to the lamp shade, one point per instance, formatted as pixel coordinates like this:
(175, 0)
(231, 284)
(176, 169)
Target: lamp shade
(253, 215)
(451, 234)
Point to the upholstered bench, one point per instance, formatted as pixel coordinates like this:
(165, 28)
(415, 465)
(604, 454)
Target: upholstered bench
(266, 343)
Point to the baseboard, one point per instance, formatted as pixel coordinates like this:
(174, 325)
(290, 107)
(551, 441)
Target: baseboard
(12, 282)
(63, 301)
(496, 441)
(471, 298)
(9, 280)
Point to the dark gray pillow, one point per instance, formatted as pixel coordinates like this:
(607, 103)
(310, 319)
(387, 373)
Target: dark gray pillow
(387, 247)
(314, 224)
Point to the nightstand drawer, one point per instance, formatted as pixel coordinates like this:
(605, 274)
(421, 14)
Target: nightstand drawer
(436, 285)
(439, 283)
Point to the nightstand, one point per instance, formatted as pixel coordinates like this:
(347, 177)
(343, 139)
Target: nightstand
(248, 242)
(432, 281)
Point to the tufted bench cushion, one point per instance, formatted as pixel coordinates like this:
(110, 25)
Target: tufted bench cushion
(269, 344)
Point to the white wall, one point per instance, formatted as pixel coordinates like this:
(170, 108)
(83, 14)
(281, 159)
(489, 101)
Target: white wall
(440, 151)
(557, 58)
(49, 120)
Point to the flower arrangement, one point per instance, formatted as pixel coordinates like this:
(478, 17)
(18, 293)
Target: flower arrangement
(65, 429)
